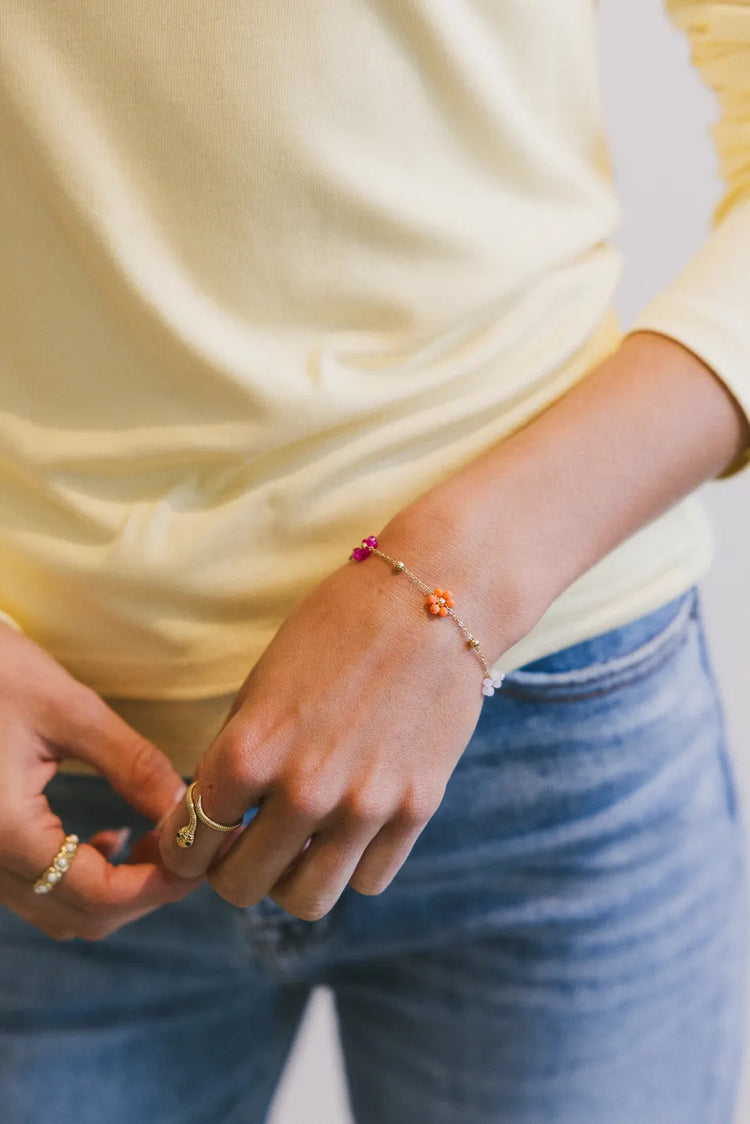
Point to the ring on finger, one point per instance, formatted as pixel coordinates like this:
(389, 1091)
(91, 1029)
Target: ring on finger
(185, 836)
(58, 867)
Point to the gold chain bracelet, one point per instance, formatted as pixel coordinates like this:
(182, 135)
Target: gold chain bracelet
(439, 602)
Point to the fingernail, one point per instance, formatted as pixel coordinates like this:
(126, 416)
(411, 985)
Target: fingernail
(179, 795)
(121, 839)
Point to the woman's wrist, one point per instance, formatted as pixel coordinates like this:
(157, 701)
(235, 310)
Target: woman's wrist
(512, 529)
(445, 550)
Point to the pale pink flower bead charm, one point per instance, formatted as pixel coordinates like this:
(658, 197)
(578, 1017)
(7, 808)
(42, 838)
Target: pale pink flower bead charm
(488, 685)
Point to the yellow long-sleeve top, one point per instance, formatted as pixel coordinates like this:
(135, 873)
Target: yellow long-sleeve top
(271, 270)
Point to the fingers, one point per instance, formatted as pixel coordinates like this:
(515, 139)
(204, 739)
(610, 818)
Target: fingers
(230, 780)
(89, 901)
(30, 836)
(384, 856)
(46, 714)
(59, 918)
(94, 884)
(267, 846)
(41, 703)
(316, 881)
(110, 843)
(100, 897)
(317, 878)
(193, 860)
(319, 826)
(146, 849)
(134, 766)
(304, 860)
(364, 850)
(309, 883)
(54, 919)
(366, 860)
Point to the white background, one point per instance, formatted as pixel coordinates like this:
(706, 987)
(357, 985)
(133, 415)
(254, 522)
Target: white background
(658, 115)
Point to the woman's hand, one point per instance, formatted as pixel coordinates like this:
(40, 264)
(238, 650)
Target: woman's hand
(345, 733)
(348, 728)
(46, 715)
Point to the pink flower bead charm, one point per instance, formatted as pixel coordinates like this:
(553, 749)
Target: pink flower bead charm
(365, 550)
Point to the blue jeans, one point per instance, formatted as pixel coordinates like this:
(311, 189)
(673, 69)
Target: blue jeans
(564, 945)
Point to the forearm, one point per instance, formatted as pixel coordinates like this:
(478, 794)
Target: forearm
(512, 529)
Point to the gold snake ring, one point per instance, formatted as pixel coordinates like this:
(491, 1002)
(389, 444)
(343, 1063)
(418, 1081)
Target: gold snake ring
(186, 835)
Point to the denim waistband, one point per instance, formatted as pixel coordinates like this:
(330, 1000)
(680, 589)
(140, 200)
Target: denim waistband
(619, 641)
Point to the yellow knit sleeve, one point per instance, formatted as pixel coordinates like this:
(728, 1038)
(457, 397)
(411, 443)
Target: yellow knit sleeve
(9, 620)
(707, 306)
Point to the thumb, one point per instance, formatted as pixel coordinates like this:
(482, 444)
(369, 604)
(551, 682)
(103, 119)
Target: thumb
(134, 766)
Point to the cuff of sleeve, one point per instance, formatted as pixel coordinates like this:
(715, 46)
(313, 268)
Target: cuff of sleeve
(9, 620)
(720, 352)
(706, 306)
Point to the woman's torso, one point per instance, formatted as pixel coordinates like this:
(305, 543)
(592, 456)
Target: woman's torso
(268, 276)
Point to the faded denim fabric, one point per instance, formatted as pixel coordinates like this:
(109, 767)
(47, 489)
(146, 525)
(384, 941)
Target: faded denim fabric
(566, 943)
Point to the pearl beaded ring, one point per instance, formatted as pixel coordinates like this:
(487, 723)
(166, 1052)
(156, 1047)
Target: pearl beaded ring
(59, 865)
(438, 602)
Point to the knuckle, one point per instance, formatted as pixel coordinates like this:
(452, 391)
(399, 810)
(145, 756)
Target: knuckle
(306, 909)
(417, 807)
(240, 896)
(96, 901)
(78, 711)
(231, 761)
(146, 766)
(370, 886)
(306, 798)
(312, 913)
(84, 704)
(364, 806)
(178, 861)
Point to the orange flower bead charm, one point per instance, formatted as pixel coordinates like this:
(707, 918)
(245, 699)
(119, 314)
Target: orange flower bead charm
(439, 602)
